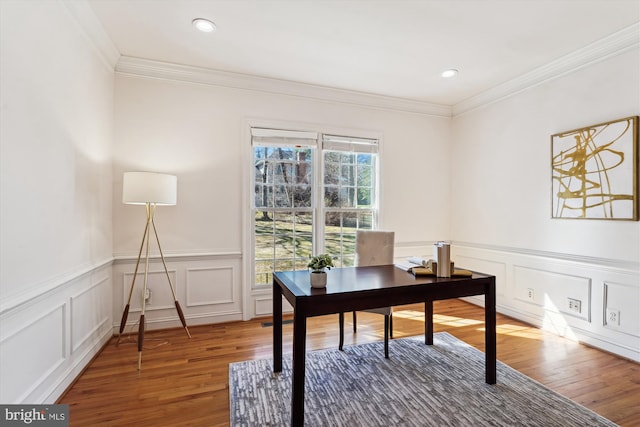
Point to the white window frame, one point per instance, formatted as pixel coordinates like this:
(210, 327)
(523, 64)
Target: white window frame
(252, 296)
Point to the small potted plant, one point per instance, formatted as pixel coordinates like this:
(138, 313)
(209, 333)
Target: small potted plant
(317, 265)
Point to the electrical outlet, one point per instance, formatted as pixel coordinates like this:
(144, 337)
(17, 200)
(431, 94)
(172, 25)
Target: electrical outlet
(575, 305)
(530, 294)
(147, 296)
(613, 317)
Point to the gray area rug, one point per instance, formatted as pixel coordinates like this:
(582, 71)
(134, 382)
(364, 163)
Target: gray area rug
(439, 385)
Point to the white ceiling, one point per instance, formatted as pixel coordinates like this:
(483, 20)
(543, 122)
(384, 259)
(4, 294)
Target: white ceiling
(394, 48)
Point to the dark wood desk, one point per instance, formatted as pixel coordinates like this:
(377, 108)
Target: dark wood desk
(359, 288)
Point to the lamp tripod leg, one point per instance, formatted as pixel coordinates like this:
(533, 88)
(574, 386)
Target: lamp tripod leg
(140, 340)
(144, 289)
(175, 298)
(125, 312)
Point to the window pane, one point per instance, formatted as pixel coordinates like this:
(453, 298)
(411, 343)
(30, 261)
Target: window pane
(283, 153)
(304, 222)
(263, 235)
(260, 171)
(364, 197)
(332, 222)
(283, 246)
(302, 196)
(303, 166)
(283, 222)
(348, 261)
(284, 265)
(349, 244)
(331, 197)
(366, 221)
(264, 221)
(348, 175)
(348, 197)
(365, 159)
(263, 271)
(301, 263)
(365, 176)
(331, 173)
(303, 246)
(283, 196)
(348, 158)
(349, 222)
(261, 153)
(332, 156)
(332, 244)
(264, 247)
(264, 196)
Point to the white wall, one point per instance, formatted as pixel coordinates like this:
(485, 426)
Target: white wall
(198, 132)
(501, 215)
(55, 200)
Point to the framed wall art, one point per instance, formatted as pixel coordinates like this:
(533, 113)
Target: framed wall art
(595, 171)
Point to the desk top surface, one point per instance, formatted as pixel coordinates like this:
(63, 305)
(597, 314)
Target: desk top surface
(364, 279)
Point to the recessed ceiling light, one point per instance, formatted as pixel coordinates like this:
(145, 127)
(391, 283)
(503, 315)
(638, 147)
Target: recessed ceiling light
(449, 73)
(204, 25)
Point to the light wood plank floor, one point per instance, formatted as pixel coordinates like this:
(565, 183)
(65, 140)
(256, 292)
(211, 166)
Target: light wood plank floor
(184, 382)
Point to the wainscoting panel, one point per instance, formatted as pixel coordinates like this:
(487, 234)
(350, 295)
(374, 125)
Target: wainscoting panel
(496, 267)
(208, 288)
(48, 339)
(161, 297)
(40, 345)
(590, 300)
(552, 291)
(621, 312)
(89, 316)
(263, 305)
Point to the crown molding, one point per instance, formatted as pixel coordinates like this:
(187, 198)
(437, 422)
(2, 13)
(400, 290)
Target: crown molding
(128, 65)
(83, 15)
(614, 44)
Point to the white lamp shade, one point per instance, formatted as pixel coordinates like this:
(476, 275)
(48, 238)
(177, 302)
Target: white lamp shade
(139, 188)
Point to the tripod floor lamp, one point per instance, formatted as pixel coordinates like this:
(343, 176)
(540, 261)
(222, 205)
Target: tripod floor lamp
(149, 189)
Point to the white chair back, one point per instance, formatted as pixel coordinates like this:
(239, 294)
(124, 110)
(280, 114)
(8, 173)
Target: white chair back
(374, 248)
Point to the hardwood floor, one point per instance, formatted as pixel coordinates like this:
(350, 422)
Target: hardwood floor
(184, 382)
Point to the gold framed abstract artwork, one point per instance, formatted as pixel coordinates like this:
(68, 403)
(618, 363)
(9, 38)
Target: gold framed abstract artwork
(595, 171)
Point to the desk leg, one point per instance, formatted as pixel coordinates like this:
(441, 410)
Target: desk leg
(428, 322)
(490, 331)
(277, 327)
(341, 321)
(297, 392)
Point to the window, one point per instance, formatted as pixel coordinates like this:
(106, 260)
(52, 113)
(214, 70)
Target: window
(349, 188)
(300, 178)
